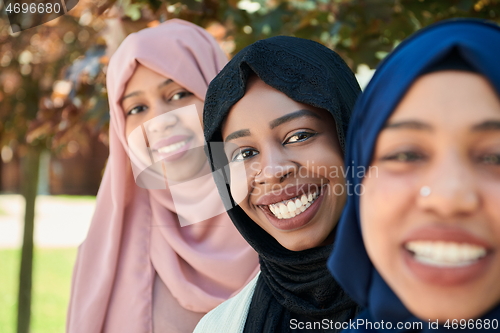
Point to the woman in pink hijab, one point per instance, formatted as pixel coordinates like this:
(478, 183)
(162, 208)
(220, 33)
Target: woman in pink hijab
(160, 251)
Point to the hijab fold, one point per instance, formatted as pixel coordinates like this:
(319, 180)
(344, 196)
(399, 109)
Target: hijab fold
(135, 232)
(462, 44)
(291, 284)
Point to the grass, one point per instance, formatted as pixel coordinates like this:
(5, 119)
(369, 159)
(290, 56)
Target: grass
(51, 286)
(75, 197)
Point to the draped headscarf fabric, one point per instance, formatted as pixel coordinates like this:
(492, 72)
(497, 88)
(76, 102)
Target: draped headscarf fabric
(135, 232)
(291, 284)
(477, 43)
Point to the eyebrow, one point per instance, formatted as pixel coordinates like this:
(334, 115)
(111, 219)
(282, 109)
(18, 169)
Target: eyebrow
(135, 93)
(291, 116)
(409, 124)
(166, 82)
(274, 123)
(238, 134)
(488, 125)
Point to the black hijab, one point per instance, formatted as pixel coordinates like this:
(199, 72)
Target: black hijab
(292, 285)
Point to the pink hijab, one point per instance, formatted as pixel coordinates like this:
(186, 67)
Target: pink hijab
(135, 232)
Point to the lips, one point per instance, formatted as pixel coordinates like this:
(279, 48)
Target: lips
(172, 148)
(169, 141)
(287, 193)
(446, 256)
(293, 207)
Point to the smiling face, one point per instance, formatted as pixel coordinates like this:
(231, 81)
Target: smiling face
(150, 101)
(437, 243)
(291, 160)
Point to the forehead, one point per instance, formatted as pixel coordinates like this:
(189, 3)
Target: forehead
(144, 78)
(260, 104)
(142, 74)
(448, 97)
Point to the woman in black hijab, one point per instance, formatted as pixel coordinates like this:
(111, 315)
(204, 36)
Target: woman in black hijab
(275, 119)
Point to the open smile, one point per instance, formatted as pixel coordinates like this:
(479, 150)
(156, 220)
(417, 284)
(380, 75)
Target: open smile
(295, 210)
(447, 256)
(172, 148)
(290, 208)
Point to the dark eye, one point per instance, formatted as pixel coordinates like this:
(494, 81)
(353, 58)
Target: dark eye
(243, 154)
(180, 95)
(491, 159)
(136, 109)
(405, 156)
(299, 137)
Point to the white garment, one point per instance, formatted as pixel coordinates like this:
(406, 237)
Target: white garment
(231, 315)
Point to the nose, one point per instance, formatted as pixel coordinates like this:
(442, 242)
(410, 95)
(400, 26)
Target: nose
(274, 166)
(162, 119)
(453, 191)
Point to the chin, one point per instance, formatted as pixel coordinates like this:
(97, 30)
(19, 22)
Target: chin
(297, 247)
(185, 169)
(300, 244)
(429, 313)
(438, 310)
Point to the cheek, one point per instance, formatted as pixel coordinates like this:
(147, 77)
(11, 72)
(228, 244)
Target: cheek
(240, 183)
(198, 104)
(491, 196)
(384, 204)
(199, 108)
(191, 123)
(130, 125)
(321, 159)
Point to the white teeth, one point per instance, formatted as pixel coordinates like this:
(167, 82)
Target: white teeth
(292, 207)
(172, 147)
(445, 254)
(283, 209)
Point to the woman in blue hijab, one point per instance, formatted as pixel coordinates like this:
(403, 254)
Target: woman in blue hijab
(418, 243)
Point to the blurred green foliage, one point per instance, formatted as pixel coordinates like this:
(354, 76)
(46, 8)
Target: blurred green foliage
(362, 31)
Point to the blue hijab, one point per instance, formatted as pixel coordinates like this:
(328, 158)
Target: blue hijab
(478, 44)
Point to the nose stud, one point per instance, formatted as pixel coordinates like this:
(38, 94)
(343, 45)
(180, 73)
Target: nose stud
(425, 191)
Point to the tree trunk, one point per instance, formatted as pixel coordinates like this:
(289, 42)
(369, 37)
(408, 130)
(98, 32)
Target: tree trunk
(29, 183)
(1, 168)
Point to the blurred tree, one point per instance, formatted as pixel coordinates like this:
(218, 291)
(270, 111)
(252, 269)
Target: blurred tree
(361, 31)
(36, 114)
(52, 84)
